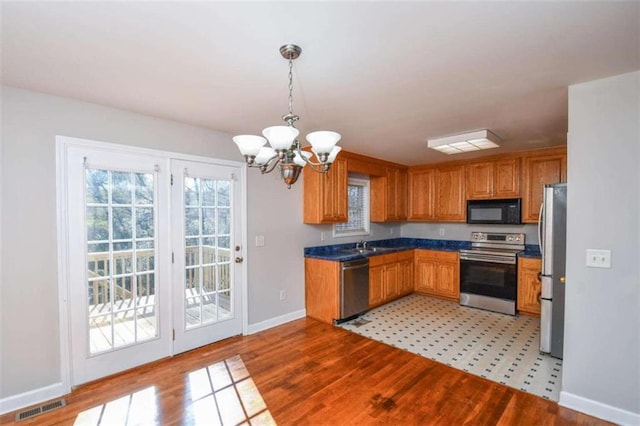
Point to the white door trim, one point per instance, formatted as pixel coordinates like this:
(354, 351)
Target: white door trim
(63, 144)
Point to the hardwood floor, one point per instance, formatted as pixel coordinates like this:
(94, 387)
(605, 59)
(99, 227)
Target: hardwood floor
(309, 373)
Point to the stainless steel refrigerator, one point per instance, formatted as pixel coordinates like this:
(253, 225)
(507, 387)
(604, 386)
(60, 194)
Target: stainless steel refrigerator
(552, 232)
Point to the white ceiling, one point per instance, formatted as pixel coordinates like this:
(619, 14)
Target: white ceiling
(386, 75)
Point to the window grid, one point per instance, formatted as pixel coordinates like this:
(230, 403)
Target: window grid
(358, 210)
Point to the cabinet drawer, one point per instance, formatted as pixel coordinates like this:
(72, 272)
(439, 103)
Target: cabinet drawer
(383, 259)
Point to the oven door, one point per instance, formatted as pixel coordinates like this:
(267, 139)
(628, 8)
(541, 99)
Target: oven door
(485, 278)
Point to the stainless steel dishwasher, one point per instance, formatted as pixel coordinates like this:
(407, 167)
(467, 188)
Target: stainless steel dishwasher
(354, 288)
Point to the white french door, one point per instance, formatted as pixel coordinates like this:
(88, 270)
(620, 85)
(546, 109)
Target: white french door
(207, 300)
(150, 265)
(119, 291)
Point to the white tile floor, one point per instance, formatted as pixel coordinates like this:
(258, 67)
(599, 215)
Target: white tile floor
(498, 347)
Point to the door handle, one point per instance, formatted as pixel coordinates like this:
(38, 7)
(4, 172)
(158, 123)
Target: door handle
(239, 259)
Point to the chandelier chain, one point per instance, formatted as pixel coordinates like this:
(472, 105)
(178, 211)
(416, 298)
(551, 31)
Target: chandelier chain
(290, 86)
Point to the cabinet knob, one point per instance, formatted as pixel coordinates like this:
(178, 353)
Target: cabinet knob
(239, 259)
(563, 280)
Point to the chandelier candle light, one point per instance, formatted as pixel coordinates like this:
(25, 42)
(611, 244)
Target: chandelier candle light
(285, 147)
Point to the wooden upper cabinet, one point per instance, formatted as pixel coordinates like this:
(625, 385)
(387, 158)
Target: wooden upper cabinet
(507, 178)
(437, 194)
(325, 194)
(493, 179)
(450, 194)
(422, 190)
(389, 196)
(540, 169)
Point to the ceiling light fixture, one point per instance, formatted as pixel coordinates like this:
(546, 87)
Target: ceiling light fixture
(466, 142)
(285, 149)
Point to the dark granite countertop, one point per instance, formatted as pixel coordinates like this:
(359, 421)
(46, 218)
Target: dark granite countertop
(339, 253)
(531, 250)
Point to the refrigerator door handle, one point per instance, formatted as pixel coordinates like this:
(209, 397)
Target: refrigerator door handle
(540, 243)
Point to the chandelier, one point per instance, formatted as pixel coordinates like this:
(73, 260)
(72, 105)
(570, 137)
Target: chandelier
(285, 149)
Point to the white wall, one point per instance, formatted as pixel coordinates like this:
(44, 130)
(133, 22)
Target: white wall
(601, 373)
(29, 352)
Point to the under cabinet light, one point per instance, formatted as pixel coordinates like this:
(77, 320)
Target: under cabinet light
(466, 142)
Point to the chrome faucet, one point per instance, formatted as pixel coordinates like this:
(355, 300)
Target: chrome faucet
(359, 244)
(364, 244)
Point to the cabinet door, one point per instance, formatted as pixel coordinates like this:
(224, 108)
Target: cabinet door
(335, 193)
(506, 182)
(325, 195)
(400, 194)
(425, 278)
(450, 199)
(448, 279)
(406, 277)
(480, 180)
(529, 286)
(422, 194)
(376, 285)
(391, 288)
(539, 171)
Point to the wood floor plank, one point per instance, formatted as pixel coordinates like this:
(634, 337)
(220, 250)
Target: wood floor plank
(310, 373)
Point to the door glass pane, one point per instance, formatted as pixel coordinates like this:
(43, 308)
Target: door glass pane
(121, 255)
(207, 250)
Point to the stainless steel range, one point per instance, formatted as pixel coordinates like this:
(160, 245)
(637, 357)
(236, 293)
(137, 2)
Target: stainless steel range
(488, 271)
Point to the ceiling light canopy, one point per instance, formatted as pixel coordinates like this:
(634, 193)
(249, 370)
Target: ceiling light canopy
(466, 142)
(284, 150)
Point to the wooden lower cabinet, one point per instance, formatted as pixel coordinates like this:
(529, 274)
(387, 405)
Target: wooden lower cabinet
(437, 273)
(529, 285)
(390, 277)
(322, 289)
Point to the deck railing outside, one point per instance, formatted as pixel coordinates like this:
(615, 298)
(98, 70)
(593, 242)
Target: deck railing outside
(121, 273)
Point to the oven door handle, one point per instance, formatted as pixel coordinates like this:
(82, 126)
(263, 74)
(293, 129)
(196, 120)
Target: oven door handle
(510, 261)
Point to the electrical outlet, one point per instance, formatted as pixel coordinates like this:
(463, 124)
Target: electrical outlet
(283, 294)
(599, 258)
(323, 236)
(441, 231)
(390, 231)
(259, 240)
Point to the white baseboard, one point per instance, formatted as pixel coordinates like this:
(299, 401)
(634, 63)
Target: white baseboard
(274, 322)
(598, 409)
(36, 396)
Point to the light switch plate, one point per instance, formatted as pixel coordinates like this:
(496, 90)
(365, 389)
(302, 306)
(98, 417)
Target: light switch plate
(598, 258)
(259, 240)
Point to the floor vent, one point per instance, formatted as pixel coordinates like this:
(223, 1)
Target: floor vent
(35, 411)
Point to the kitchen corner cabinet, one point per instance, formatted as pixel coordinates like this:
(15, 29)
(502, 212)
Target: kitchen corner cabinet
(437, 273)
(529, 286)
(437, 194)
(390, 277)
(493, 179)
(389, 196)
(325, 194)
(548, 166)
(422, 193)
(322, 289)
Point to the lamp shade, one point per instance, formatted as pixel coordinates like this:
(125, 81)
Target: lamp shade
(332, 155)
(280, 137)
(323, 141)
(264, 155)
(249, 144)
(299, 161)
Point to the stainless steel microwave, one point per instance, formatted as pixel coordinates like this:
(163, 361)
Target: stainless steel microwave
(505, 211)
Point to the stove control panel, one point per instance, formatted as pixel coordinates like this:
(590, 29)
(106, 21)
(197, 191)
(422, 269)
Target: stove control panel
(489, 237)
